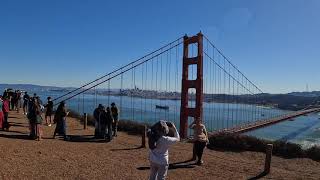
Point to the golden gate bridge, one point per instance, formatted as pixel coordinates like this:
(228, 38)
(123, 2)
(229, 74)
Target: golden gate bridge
(187, 79)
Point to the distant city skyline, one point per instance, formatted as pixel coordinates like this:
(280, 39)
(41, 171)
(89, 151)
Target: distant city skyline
(68, 43)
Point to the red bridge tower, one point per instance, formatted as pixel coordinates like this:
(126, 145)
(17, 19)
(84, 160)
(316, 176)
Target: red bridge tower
(197, 84)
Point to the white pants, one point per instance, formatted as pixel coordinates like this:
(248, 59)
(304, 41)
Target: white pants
(158, 172)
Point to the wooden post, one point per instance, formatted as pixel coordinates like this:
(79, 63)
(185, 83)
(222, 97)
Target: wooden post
(268, 158)
(85, 120)
(144, 135)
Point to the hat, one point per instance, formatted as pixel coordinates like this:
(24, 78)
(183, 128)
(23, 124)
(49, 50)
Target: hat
(112, 104)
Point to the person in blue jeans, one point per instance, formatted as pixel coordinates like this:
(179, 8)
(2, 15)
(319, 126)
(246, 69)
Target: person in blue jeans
(159, 143)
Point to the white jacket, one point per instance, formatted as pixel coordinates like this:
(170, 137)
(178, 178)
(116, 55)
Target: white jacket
(160, 154)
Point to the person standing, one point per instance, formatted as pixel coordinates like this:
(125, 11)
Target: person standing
(32, 118)
(49, 110)
(115, 115)
(60, 120)
(5, 93)
(97, 116)
(13, 100)
(1, 113)
(38, 120)
(26, 99)
(200, 138)
(109, 123)
(18, 101)
(159, 144)
(103, 118)
(6, 109)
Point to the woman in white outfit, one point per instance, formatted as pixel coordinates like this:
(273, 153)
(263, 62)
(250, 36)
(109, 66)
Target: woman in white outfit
(159, 144)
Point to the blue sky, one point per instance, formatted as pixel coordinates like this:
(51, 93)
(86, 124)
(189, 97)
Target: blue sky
(68, 42)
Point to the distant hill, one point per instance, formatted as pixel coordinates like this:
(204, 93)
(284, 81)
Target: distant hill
(32, 87)
(290, 101)
(37, 88)
(306, 94)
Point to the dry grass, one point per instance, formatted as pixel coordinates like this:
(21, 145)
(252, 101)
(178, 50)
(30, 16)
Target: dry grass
(86, 158)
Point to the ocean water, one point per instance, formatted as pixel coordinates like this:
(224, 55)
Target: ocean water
(304, 130)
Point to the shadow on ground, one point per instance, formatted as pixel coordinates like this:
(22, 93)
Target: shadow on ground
(179, 165)
(18, 125)
(261, 175)
(85, 138)
(127, 149)
(16, 136)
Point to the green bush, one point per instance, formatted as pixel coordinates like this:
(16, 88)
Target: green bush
(313, 153)
(232, 142)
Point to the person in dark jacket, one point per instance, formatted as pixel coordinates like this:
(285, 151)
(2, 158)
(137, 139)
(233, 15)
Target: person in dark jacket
(26, 99)
(102, 124)
(60, 120)
(32, 118)
(115, 115)
(109, 120)
(97, 116)
(49, 110)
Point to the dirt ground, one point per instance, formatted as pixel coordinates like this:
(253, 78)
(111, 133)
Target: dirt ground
(85, 158)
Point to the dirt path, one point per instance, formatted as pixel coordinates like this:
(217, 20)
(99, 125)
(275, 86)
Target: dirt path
(83, 158)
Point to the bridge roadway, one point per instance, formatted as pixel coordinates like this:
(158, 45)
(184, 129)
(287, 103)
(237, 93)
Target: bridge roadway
(268, 122)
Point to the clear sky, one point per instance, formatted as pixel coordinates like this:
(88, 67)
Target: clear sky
(276, 43)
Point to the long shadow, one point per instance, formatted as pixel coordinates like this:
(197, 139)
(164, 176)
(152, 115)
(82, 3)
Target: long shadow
(261, 175)
(127, 149)
(85, 138)
(16, 136)
(179, 165)
(18, 132)
(13, 117)
(17, 125)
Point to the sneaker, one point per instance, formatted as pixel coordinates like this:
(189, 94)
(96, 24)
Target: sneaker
(199, 163)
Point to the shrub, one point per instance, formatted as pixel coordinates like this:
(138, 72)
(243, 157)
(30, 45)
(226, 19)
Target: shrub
(313, 153)
(232, 142)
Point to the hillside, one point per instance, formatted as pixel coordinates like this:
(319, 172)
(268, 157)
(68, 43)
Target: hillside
(85, 158)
